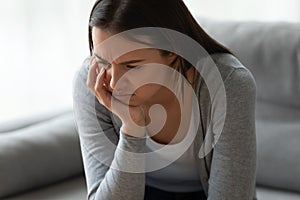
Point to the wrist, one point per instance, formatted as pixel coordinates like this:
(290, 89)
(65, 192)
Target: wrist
(136, 131)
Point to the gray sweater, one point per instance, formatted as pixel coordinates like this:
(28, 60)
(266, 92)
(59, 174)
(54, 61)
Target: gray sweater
(226, 172)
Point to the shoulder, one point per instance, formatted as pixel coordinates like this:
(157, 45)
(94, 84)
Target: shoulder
(231, 80)
(239, 82)
(229, 65)
(234, 74)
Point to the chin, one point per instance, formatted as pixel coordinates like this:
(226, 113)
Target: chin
(132, 101)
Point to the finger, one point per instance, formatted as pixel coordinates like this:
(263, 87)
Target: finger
(92, 74)
(106, 99)
(101, 92)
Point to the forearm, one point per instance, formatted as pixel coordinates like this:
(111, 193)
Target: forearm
(125, 178)
(101, 146)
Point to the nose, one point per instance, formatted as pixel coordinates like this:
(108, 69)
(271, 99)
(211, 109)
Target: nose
(113, 75)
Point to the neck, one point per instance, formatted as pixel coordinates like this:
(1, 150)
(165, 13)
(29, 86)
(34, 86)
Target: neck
(190, 75)
(174, 120)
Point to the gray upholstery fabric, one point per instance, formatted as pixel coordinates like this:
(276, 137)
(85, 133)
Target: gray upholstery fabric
(278, 154)
(274, 194)
(278, 146)
(15, 124)
(70, 189)
(277, 113)
(270, 50)
(38, 155)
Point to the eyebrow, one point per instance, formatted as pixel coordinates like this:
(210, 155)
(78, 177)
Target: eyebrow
(122, 63)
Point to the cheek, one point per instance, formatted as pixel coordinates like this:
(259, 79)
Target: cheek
(147, 92)
(149, 79)
(150, 74)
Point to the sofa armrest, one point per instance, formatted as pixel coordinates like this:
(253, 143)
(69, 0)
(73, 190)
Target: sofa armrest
(39, 155)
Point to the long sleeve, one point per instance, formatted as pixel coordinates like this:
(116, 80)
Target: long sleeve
(102, 147)
(233, 166)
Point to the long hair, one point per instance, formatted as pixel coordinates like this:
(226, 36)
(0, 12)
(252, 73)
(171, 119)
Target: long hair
(122, 15)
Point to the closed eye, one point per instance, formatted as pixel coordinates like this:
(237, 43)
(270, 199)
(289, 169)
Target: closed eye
(133, 67)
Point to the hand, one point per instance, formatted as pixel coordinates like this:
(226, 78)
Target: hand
(133, 122)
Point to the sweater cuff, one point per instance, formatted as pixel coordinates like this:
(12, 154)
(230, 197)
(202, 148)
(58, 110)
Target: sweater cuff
(130, 154)
(132, 144)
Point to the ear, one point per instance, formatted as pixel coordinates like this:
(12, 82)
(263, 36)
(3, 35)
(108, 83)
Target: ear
(171, 57)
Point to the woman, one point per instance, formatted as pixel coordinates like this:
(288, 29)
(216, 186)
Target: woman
(127, 103)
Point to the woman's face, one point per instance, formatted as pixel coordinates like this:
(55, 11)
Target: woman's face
(131, 64)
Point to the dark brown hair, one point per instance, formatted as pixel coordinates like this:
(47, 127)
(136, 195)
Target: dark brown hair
(121, 15)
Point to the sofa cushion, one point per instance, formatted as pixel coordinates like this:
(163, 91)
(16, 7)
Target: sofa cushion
(264, 193)
(70, 189)
(270, 50)
(267, 111)
(39, 155)
(278, 151)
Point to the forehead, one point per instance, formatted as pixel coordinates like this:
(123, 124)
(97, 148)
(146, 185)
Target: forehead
(99, 35)
(108, 51)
